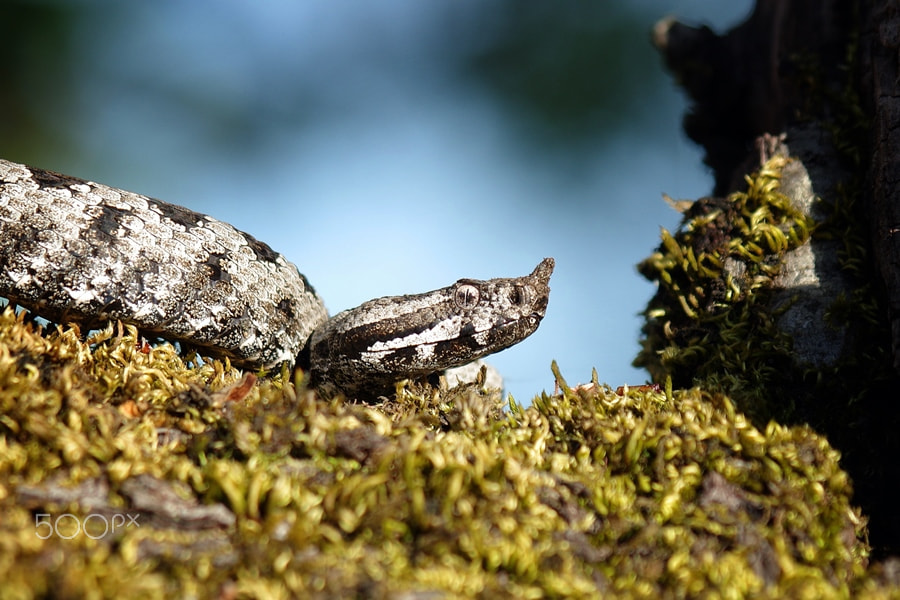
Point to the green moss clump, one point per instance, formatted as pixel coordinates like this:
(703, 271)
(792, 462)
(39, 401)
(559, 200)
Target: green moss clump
(710, 320)
(247, 488)
(716, 322)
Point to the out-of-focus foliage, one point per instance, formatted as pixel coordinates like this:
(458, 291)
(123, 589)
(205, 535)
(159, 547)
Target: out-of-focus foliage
(564, 73)
(568, 71)
(35, 42)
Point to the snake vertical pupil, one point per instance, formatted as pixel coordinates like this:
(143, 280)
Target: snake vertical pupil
(518, 296)
(467, 296)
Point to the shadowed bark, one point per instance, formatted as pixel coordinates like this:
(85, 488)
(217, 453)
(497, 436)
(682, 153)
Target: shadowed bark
(820, 82)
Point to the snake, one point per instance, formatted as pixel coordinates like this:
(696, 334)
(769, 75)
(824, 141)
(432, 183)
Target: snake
(76, 251)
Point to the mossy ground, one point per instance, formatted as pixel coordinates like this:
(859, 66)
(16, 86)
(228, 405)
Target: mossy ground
(249, 488)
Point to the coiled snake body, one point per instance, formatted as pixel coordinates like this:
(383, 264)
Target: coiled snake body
(73, 250)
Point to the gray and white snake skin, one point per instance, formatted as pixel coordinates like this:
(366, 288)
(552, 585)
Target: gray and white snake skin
(73, 250)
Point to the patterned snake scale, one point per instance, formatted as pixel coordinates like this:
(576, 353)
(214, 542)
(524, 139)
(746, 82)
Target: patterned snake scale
(73, 250)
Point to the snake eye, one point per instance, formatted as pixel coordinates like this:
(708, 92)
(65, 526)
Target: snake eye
(518, 296)
(467, 296)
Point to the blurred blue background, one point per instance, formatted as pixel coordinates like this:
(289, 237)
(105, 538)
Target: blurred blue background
(385, 147)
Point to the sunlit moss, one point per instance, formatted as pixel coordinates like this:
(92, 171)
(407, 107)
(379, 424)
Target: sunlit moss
(266, 490)
(709, 319)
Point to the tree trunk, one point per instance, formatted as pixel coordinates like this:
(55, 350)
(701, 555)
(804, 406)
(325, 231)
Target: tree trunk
(818, 81)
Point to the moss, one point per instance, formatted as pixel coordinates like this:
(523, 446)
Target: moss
(246, 487)
(716, 319)
(711, 320)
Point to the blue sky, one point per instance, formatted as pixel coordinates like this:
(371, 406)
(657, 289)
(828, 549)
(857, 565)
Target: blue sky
(392, 173)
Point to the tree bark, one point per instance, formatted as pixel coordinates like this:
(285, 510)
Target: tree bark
(880, 92)
(820, 81)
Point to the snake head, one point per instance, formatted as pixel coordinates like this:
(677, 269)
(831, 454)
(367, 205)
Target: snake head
(385, 340)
